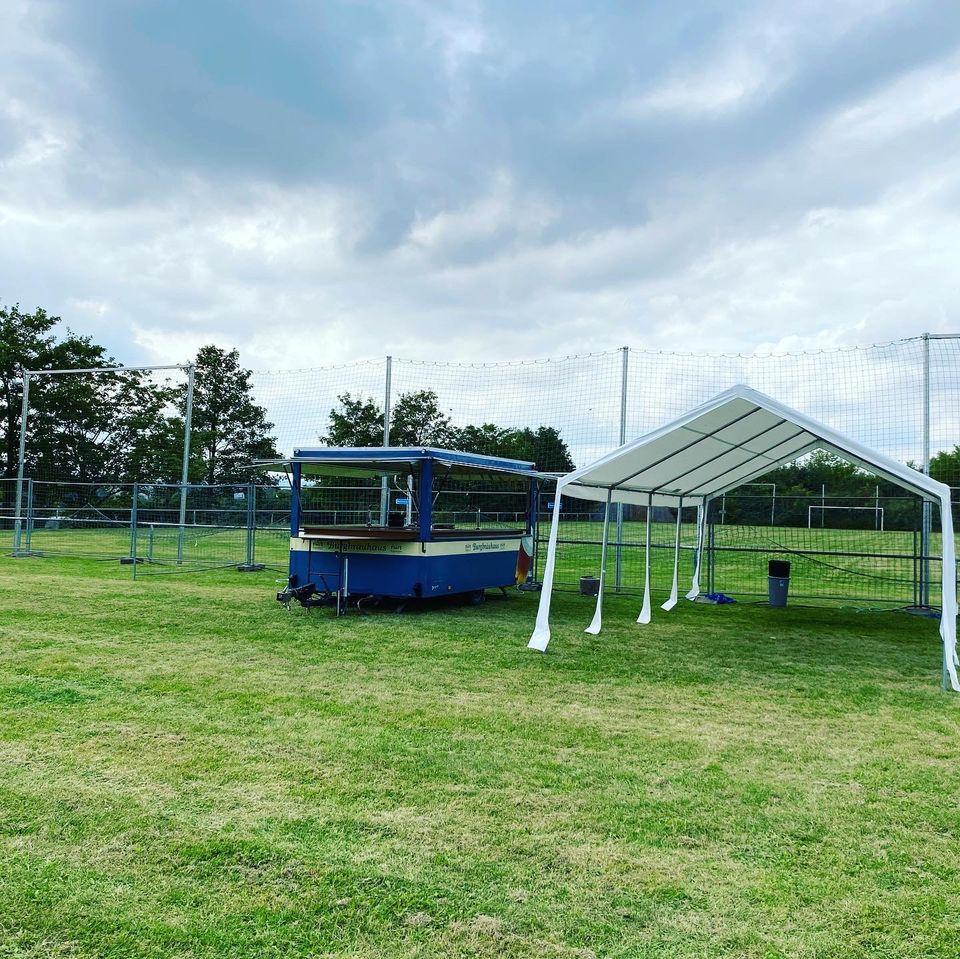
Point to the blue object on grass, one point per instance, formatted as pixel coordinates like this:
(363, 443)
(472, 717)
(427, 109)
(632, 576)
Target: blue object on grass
(721, 599)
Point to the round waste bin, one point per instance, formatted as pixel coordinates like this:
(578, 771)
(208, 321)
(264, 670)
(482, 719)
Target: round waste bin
(589, 585)
(778, 582)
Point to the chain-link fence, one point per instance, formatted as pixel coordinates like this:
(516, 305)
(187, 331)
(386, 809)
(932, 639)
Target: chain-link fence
(902, 399)
(841, 548)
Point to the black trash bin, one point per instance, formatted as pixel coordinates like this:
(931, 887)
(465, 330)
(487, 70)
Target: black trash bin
(589, 585)
(778, 582)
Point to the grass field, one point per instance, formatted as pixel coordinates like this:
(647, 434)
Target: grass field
(863, 566)
(186, 770)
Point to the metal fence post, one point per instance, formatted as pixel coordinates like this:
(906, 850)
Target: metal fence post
(185, 470)
(384, 489)
(134, 497)
(133, 529)
(250, 565)
(29, 539)
(927, 519)
(18, 493)
(618, 556)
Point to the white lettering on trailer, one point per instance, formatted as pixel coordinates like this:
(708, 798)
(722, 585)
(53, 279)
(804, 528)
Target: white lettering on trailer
(407, 548)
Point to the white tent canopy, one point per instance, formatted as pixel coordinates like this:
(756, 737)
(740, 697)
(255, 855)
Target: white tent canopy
(730, 440)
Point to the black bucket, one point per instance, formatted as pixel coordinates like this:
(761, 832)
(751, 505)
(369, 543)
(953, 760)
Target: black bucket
(589, 585)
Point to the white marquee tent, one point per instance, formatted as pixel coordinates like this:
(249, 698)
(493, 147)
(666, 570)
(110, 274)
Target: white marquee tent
(728, 441)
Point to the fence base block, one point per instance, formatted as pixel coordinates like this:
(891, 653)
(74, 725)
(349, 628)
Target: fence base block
(26, 553)
(250, 567)
(928, 612)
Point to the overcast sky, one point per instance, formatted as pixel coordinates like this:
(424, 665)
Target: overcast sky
(315, 182)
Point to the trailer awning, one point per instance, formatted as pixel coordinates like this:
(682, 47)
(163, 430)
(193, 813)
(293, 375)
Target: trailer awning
(730, 440)
(374, 461)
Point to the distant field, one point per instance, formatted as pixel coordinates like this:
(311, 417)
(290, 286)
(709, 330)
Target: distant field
(838, 564)
(187, 770)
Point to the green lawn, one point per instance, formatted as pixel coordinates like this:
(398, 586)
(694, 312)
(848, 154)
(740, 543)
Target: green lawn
(187, 770)
(860, 566)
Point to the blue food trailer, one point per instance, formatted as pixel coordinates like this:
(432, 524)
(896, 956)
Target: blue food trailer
(396, 524)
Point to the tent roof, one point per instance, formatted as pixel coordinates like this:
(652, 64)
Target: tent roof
(730, 440)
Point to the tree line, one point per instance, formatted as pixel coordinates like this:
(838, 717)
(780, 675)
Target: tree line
(416, 419)
(122, 426)
(125, 426)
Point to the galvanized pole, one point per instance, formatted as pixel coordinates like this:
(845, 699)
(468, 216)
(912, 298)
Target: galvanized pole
(250, 565)
(927, 517)
(185, 471)
(30, 490)
(384, 490)
(133, 529)
(18, 493)
(135, 496)
(251, 523)
(618, 555)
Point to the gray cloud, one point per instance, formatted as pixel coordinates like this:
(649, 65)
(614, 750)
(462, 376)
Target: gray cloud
(319, 182)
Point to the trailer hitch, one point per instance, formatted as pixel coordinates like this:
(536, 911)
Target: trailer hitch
(307, 596)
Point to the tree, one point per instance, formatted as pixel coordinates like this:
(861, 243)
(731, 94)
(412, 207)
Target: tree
(543, 446)
(83, 427)
(96, 427)
(416, 420)
(355, 422)
(486, 439)
(26, 343)
(229, 428)
(945, 466)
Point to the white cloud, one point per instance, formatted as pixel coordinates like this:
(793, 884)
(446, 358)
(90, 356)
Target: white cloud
(733, 203)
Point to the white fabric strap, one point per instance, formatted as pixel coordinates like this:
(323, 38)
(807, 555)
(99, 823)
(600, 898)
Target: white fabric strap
(948, 602)
(675, 588)
(594, 626)
(644, 616)
(701, 522)
(541, 631)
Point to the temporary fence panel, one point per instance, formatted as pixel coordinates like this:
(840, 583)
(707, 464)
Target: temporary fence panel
(901, 398)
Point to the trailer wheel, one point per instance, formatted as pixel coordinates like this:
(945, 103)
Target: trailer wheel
(478, 597)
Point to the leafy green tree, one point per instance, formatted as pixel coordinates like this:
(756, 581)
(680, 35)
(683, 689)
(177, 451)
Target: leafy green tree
(28, 343)
(486, 439)
(354, 422)
(80, 428)
(105, 427)
(418, 420)
(945, 466)
(415, 420)
(229, 428)
(543, 446)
